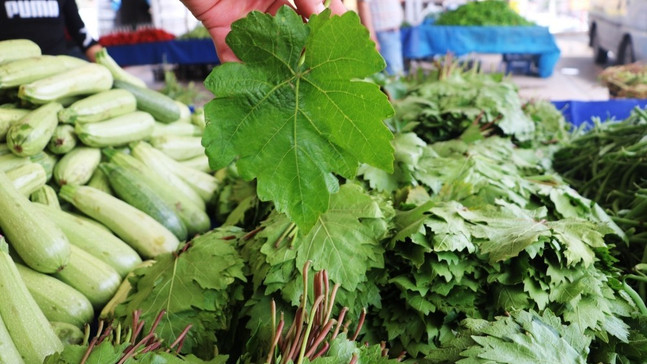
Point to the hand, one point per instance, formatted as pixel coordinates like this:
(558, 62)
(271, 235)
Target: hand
(92, 51)
(217, 16)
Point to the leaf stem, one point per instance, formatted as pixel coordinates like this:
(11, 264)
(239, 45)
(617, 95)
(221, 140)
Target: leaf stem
(321, 352)
(362, 317)
(285, 233)
(86, 335)
(302, 353)
(180, 338)
(353, 360)
(333, 295)
(340, 322)
(86, 355)
(275, 341)
(322, 335)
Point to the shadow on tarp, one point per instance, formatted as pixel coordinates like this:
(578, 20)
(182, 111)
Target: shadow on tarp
(579, 112)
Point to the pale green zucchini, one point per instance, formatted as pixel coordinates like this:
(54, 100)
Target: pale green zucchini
(11, 161)
(47, 161)
(100, 181)
(204, 184)
(68, 333)
(69, 100)
(200, 163)
(162, 107)
(118, 73)
(147, 236)
(27, 178)
(63, 139)
(8, 352)
(77, 166)
(46, 196)
(32, 132)
(8, 117)
(130, 188)
(27, 325)
(176, 128)
(36, 239)
(117, 131)
(185, 112)
(197, 118)
(98, 107)
(26, 70)
(96, 280)
(179, 147)
(13, 49)
(95, 240)
(57, 300)
(192, 215)
(87, 79)
(90, 221)
(144, 152)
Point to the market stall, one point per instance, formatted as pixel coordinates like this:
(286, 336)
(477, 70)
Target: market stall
(488, 27)
(428, 40)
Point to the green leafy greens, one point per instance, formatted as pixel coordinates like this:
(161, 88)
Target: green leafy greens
(190, 291)
(522, 337)
(443, 104)
(296, 111)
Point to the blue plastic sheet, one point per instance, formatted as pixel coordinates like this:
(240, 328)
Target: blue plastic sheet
(428, 40)
(579, 112)
(200, 51)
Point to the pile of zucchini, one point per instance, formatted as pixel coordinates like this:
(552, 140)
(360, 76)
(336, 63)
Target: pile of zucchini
(98, 173)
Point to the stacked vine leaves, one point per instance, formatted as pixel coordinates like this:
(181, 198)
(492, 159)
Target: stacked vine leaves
(441, 235)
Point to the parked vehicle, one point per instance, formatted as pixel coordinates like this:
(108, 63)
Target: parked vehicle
(618, 26)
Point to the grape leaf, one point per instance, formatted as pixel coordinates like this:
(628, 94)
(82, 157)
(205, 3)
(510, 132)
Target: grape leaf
(346, 242)
(193, 286)
(408, 151)
(507, 230)
(579, 237)
(296, 111)
(526, 337)
(340, 243)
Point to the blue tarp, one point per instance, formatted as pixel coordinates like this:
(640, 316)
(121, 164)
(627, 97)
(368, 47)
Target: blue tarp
(197, 51)
(579, 112)
(428, 40)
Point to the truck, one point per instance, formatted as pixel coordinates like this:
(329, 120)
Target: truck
(618, 28)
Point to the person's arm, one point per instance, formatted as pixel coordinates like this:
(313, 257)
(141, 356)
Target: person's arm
(77, 30)
(364, 12)
(218, 15)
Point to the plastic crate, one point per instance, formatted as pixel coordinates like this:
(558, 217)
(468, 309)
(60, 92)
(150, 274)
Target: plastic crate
(579, 112)
(520, 64)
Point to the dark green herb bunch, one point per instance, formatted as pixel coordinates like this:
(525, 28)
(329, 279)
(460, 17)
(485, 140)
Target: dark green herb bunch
(491, 12)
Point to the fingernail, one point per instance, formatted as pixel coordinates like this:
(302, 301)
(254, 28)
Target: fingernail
(319, 8)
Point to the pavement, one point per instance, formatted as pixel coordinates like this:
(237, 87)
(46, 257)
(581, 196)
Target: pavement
(575, 76)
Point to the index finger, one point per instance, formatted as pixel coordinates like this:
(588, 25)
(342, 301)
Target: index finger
(308, 7)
